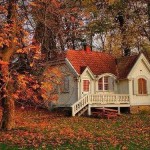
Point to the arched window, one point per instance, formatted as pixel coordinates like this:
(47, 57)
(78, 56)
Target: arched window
(142, 86)
(106, 83)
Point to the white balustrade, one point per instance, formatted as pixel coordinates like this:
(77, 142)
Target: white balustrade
(80, 104)
(108, 98)
(99, 99)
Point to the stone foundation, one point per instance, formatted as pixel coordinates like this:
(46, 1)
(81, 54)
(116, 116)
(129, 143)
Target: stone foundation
(139, 109)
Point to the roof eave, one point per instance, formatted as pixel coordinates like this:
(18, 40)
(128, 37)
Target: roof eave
(74, 70)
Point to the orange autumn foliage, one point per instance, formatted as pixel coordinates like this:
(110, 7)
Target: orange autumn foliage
(51, 79)
(27, 89)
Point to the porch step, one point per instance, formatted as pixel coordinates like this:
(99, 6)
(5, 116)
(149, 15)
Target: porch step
(82, 111)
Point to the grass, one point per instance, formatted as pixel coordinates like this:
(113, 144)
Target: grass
(40, 129)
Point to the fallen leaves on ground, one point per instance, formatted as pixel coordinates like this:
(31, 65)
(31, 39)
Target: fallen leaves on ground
(41, 128)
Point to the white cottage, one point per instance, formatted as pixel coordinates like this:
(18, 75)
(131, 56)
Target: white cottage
(97, 79)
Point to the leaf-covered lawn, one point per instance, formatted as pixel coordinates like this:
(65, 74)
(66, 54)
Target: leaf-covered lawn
(39, 129)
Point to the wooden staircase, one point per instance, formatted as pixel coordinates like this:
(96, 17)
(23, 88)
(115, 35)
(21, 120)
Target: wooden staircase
(80, 106)
(82, 111)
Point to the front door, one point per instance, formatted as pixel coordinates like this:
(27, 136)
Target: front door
(85, 87)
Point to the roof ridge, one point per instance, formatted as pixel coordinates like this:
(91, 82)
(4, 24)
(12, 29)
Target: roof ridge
(82, 50)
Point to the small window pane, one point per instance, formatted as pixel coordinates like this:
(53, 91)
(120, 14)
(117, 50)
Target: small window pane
(105, 86)
(105, 79)
(100, 84)
(86, 84)
(106, 83)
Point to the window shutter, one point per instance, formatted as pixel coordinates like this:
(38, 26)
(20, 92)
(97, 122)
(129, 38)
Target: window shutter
(115, 86)
(140, 86)
(135, 86)
(111, 84)
(145, 86)
(100, 84)
(148, 86)
(65, 84)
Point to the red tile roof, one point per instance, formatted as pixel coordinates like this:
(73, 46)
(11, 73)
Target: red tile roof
(98, 62)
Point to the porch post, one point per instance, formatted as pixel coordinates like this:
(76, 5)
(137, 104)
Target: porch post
(79, 89)
(131, 91)
(118, 110)
(89, 110)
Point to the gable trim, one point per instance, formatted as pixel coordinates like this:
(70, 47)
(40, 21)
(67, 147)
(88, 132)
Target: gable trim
(71, 66)
(145, 62)
(106, 74)
(89, 71)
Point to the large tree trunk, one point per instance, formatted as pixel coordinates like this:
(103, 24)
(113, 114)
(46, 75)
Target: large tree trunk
(7, 122)
(46, 37)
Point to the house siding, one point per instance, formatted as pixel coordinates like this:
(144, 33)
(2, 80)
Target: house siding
(86, 76)
(68, 98)
(123, 87)
(139, 70)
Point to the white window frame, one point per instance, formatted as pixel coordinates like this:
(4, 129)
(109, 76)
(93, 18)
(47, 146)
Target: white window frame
(135, 85)
(83, 85)
(104, 83)
(142, 89)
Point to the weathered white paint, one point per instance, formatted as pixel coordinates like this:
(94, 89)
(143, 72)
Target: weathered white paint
(123, 86)
(97, 99)
(72, 69)
(89, 110)
(140, 69)
(131, 90)
(68, 98)
(87, 75)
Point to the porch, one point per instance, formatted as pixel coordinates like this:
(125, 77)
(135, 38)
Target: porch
(100, 100)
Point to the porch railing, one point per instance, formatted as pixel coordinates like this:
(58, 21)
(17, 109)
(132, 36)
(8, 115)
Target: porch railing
(99, 99)
(109, 99)
(80, 104)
